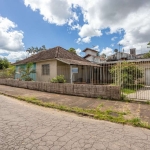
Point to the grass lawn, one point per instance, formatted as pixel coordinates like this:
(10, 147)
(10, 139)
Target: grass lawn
(128, 91)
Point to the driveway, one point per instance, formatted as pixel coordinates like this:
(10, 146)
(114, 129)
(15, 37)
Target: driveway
(142, 94)
(25, 126)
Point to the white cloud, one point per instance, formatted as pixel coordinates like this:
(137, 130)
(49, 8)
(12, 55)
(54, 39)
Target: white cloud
(11, 45)
(83, 40)
(88, 31)
(108, 51)
(131, 17)
(78, 51)
(112, 45)
(114, 38)
(74, 27)
(96, 48)
(54, 11)
(10, 39)
(13, 56)
(86, 40)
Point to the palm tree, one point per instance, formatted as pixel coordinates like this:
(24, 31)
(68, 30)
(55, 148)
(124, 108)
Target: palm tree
(43, 47)
(29, 50)
(32, 50)
(35, 50)
(25, 72)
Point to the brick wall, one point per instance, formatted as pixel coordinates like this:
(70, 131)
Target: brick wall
(86, 90)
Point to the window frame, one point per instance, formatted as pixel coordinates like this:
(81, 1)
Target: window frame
(45, 69)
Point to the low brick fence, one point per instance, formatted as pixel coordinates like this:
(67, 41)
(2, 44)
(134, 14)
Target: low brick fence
(86, 90)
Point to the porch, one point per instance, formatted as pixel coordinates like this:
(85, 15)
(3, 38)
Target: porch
(83, 72)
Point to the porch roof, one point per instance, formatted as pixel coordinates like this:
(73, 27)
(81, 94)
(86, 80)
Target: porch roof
(77, 62)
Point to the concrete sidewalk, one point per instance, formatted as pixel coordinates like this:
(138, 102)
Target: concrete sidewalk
(137, 110)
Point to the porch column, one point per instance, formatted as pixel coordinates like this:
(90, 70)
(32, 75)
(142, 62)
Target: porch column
(92, 75)
(71, 74)
(86, 73)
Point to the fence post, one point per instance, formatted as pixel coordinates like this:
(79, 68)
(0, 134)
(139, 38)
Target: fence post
(136, 82)
(121, 79)
(71, 74)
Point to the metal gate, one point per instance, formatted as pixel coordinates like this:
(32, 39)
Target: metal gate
(135, 80)
(133, 76)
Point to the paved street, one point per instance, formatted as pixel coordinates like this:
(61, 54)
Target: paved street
(27, 126)
(136, 110)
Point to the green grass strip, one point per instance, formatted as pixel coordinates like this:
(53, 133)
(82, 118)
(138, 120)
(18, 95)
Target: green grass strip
(108, 115)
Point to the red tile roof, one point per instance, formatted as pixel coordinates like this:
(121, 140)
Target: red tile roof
(53, 53)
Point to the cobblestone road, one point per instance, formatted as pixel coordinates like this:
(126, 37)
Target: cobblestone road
(25, 126)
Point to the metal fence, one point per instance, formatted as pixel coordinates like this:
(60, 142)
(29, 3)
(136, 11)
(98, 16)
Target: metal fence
(132, 76)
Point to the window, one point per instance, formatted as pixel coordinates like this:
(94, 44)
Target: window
(45, 69)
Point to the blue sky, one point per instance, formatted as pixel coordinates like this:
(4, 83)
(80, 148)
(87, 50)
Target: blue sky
(72, 23)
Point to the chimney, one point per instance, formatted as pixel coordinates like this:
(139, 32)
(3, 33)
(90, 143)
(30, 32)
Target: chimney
(133, 51)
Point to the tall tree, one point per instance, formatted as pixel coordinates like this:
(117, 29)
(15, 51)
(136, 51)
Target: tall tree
(72, 50)
(4, 63)
(147, 55)
(35, 50)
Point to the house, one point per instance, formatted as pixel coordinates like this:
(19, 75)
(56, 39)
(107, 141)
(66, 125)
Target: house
(58, 61)
(93, 56)
(123, 56)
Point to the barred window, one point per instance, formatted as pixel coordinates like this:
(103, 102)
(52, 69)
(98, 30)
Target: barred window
(45, 69)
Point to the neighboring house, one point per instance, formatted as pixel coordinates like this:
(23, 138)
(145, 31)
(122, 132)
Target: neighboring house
(92, 56)
(123, 56)
(140, 56)
(58, 61)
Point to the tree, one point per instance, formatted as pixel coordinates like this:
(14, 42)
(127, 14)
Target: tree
(26, 72)
(35, 50)
(126, 73)
(8, 72)
(147, 55)
(103, 55)
(4, 63)
(72, 50)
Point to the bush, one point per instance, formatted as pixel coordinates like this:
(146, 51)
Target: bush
(7, 72)
(126, 73)
(59, 79)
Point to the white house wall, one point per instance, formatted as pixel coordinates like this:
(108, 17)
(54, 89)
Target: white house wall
(53, 70)
(91, 52)
(90, 58)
